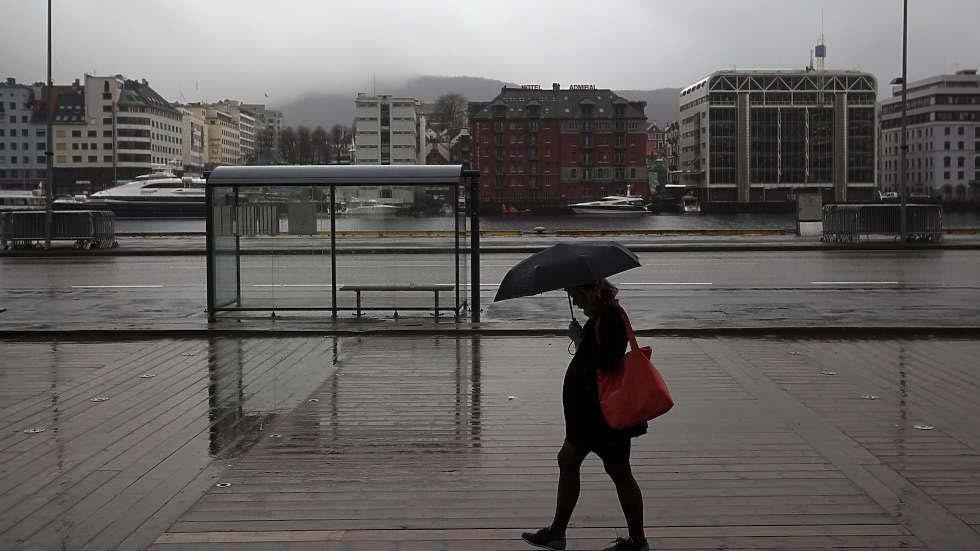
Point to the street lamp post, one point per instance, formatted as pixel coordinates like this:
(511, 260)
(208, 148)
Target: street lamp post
(49, 154)
(903, 183)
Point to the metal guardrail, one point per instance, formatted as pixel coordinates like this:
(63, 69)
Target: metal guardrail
(854, 223)
(247, 220)
(87, 228)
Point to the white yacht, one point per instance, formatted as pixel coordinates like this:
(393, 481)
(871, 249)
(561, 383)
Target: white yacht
(613, 205)
(156, 195)
(371, 208)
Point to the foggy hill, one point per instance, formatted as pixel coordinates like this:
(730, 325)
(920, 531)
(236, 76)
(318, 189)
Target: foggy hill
(328, 108)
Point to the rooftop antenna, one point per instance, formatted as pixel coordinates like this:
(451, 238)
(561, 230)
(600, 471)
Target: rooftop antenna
(820, 51)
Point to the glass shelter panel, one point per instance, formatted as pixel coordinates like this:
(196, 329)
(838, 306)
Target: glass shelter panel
(344, 248)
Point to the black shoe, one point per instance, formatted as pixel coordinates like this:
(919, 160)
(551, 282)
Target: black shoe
(544, 539)
(628, 544)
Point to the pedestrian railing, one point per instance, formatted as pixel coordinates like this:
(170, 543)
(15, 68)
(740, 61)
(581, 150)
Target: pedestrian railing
(87, 228)
(853, 223)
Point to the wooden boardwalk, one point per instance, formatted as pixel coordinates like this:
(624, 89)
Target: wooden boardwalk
(442, 443)
(114, 473)
(418, 443)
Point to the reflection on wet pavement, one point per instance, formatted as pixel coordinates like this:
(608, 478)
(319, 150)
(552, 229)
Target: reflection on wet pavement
(443, 443)
(449, 443)
(105, 444)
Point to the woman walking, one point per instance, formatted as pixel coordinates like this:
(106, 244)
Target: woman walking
(600, 345)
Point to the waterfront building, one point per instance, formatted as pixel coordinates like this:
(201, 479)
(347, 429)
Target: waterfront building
(943, 156)
(23, 136)
(545, 148)
(223, 145)
(671, 140)
(112, 128)
(193, 139)
(763, 136)
(388, 130)
(266, 120)
(246, 136)
(656, 141)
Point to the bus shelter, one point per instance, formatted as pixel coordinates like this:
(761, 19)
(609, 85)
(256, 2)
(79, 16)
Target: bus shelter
(351, 240)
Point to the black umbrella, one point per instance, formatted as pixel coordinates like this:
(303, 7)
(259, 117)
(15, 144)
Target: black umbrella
(565, 265)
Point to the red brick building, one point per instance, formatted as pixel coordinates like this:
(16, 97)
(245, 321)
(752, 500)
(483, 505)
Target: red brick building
(543, 149)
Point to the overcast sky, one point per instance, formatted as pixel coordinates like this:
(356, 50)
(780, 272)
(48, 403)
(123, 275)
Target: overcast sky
(243, 49)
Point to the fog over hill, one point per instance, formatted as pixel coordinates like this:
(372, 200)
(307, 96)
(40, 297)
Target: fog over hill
(329, 108)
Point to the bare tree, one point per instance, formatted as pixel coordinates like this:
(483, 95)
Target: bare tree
(304, 146)
(287, 145)
(265, 139)
(450, 113)
(339, 139)
(320, 146)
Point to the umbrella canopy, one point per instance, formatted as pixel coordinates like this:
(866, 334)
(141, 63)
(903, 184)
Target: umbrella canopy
(565, 265)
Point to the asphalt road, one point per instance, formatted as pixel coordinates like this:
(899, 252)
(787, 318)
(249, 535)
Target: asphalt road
(930, 288)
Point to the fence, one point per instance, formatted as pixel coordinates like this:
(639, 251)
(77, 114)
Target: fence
(854, 223)
(87, 228)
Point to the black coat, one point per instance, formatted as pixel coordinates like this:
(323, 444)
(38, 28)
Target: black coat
(600, 349)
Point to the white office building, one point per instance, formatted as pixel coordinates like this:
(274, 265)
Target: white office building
(23, 136)
(943, 158)
(112, 128)
(388, 130)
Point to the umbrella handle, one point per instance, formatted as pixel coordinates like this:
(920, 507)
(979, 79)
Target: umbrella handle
(570, 311)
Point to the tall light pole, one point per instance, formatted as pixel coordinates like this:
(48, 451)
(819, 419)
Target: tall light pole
(49, 154)
(902, 181)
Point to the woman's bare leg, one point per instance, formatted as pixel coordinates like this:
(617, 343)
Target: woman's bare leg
(569, 481)
(630, 497)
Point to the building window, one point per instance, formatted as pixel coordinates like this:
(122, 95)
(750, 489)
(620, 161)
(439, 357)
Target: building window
(39, 160)
(23, 132)
(76, 133)
(92, 133)
(960, 131)
(959, 175)
(960, 146)
(13, 120)
(13, 146)
(93, 159)
(107, 121)
(946, 175)
(946, 161)
(41, 146)
(960, 162)
(107, 133)
(107, 109)
(946, 145)
(947, 130)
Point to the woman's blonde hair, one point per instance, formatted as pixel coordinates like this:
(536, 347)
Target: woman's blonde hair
(599, 291)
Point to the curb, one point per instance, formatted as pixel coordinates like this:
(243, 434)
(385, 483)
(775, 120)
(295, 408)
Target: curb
(530, 249)
(840, 332)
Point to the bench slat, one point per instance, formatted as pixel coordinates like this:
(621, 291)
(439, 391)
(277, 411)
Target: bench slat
(430, 288)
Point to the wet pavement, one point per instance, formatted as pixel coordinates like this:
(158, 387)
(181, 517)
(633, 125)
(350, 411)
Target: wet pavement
(695, 291)
(323, 443)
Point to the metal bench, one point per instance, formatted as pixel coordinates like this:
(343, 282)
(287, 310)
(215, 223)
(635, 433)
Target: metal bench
(434, 289)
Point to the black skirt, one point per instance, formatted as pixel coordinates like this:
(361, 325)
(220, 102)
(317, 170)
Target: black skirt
(603, 346)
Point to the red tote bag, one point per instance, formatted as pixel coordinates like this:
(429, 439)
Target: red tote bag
(635, 391)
